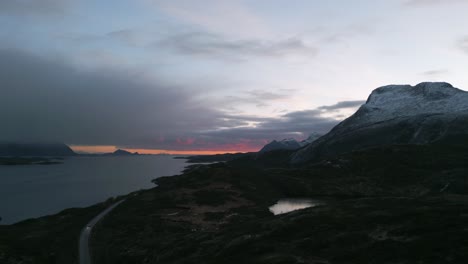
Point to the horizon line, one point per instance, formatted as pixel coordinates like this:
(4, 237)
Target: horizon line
(100, 149)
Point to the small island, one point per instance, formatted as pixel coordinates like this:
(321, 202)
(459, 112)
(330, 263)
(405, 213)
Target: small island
(34, 153)
(28, 161)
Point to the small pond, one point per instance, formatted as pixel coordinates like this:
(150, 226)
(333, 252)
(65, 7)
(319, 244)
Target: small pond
(291, 204)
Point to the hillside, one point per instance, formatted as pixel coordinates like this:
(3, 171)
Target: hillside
(35, 149)
(392, 186)
(427, 113)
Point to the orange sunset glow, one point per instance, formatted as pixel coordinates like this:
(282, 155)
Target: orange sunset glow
(109, 149)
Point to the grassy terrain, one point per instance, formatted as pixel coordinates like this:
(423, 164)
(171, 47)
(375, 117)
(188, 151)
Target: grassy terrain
(50, 239)
(216, 157)
(398, 204)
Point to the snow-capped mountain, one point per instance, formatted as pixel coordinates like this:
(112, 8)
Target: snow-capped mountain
(397, 114)
(289, 143)
(312, 137)
(393, 101)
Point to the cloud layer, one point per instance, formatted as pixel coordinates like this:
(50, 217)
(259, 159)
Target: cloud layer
(50, 101)
(34, 7)
(462, 43)
(45, 100)
(432, 2)
(216, 46)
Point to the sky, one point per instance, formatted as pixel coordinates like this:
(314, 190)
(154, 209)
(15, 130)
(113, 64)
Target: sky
(212, 76)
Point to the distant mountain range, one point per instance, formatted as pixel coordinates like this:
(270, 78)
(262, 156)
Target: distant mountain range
(118, 152)
(289, 143)
(49, 150)
(395, 171)
(121, 152)
(36, 149)
(428, 113)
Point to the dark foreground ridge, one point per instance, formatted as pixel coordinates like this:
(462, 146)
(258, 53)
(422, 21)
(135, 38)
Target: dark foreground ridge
(411, 210)
(392, 201)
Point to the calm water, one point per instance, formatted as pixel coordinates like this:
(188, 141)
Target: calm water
(288, 205)
(37, 190)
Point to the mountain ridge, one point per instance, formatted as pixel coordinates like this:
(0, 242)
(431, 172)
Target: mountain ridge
(35, 149)
(396, 114)
(289, 143)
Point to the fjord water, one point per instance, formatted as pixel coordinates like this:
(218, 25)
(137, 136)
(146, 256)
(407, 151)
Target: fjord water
(28, 191)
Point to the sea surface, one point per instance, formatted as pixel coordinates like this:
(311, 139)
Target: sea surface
(29, 191)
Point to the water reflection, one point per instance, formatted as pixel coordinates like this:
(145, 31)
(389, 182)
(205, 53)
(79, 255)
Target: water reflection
(290, 204)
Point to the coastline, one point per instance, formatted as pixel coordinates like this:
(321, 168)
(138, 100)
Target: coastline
(219, 213)
(32, 190)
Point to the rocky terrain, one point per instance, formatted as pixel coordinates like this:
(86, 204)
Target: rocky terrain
(289, 143)
(412, 210)
(397, 114)
(45, 240)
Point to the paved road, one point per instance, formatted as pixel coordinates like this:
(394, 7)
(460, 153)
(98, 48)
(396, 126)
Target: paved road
(85, 257)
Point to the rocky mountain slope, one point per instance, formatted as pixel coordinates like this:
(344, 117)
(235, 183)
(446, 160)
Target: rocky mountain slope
(386, 196)
(312, 137)
(289, 143)
(397, 114)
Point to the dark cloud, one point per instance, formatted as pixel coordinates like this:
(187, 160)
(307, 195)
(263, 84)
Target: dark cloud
(435, 73)
(34, 7)
(462, 44)
(50, 101)
(342, 104)
(267, 95)
(128, 36)
(211, 45)
(431, 2)
(349, 32)
(44, 100)
(259, 98)
(295, 124)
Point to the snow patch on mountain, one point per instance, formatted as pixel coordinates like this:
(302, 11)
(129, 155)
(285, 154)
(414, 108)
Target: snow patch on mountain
(289, 143)
(392, 101)
(312, 137)
(397, 114)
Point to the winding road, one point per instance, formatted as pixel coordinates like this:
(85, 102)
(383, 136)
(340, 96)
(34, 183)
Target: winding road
(85, 257)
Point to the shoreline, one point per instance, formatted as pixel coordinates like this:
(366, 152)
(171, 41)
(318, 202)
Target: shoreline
(76, 189)
(219, 213)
